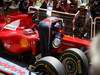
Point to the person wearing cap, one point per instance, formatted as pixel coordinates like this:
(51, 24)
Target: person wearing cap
(81, 21)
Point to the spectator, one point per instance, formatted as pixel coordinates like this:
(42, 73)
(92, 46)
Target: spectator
(81, 22)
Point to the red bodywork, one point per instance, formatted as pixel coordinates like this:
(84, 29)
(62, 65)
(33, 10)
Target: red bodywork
(16, 41)
(72, 42)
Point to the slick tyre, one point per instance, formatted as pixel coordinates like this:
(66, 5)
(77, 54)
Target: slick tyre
(75, 62)
(49, 66)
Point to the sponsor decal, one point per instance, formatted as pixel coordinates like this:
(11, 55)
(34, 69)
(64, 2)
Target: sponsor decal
(13, 25)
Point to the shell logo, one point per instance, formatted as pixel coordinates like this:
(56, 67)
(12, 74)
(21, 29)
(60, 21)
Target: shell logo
(24, 43)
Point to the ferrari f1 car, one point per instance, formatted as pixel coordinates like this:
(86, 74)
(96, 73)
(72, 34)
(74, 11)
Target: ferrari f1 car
(20, 35)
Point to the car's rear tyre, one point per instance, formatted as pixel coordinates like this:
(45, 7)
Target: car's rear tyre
(75, 62)
(49, 66)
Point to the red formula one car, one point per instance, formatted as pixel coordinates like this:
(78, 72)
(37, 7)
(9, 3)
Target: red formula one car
(20, 35)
